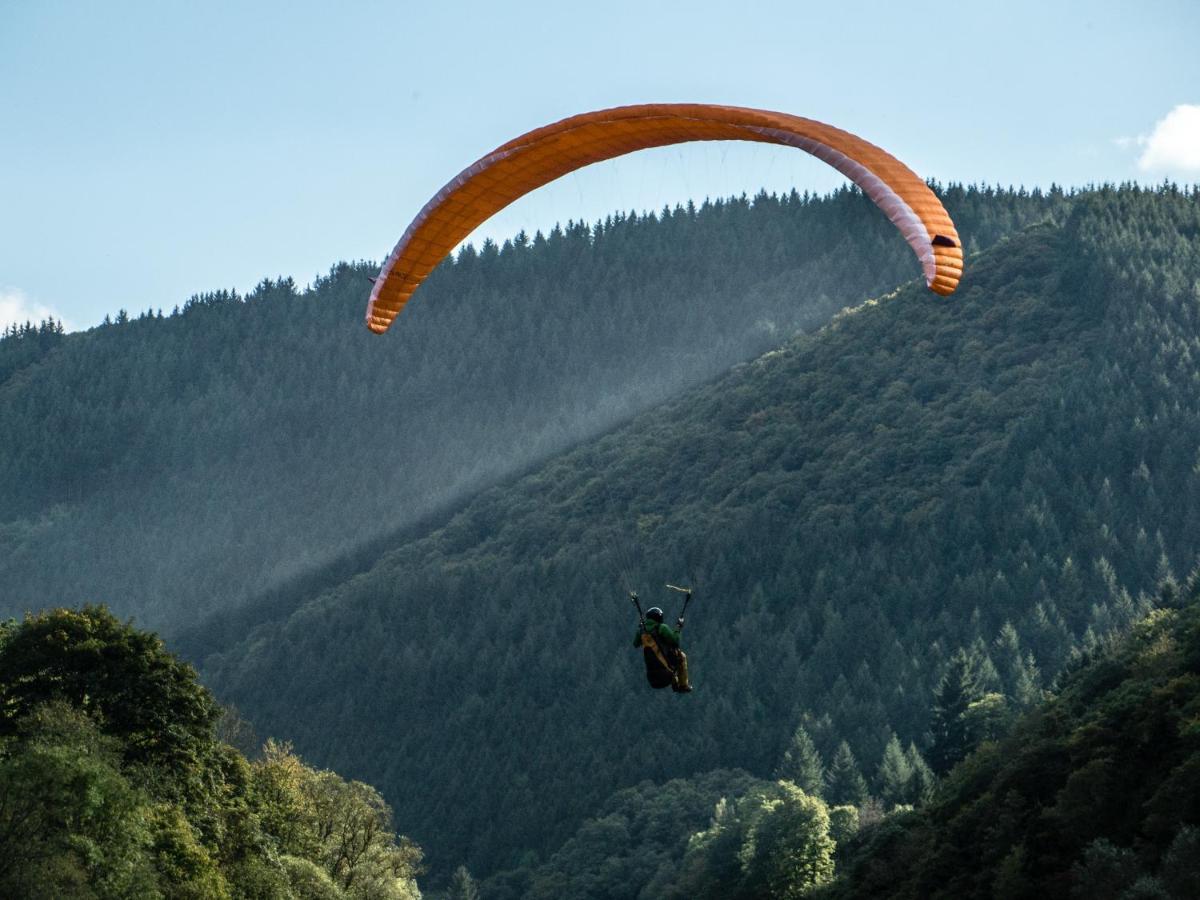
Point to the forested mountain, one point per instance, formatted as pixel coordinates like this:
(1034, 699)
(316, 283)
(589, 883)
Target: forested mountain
(175, 465)
(1001, 478)
(1094, 795)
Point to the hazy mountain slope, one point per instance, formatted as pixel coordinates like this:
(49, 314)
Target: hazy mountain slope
(852, 508)
(173, 466)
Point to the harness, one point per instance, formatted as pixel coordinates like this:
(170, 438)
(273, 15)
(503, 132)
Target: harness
(650, 642)
(652, 648)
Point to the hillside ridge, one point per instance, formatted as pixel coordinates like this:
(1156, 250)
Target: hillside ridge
(909, 481)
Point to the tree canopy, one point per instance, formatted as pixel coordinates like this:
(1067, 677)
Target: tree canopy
(113, 784)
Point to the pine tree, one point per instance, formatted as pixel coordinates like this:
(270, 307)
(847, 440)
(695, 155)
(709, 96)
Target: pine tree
(922, 781)
(844, 782)
(1027, 688)
(895, 774)
(1166, 583)
(802, 764)
(1006, 651)
(987, 678)
(957, 690)
(462, 886)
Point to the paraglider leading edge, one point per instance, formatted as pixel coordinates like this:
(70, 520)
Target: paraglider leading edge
(540, 156)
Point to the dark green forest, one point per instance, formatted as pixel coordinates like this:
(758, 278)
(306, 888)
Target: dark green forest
(172, 465)
(1096, 794)
(120, 776)
(908, 522)
(920, 488)
(1093, 794)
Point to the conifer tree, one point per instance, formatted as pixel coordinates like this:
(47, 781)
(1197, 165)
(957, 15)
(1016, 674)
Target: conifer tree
(1006, 651)
(987, 677)
(802, 764)
(844, 782)
(895, 774)
(462, 886)
(956, 691)
(1027, 688)
(1166, 583)
(921, 780)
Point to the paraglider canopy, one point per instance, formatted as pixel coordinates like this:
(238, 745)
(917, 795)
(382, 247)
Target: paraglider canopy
(540, 156)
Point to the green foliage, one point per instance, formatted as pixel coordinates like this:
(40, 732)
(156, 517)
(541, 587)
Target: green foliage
(844, 781)
(1147, 887)
(308, 881)
(281, 787)
(631, 847)
(1104, 873)
(843, 823)
(342, 828)
(1091, 795)
(921, 780)
(802, 765)
(986, 719)
(140, 694)
(70, 821)
(954, 731)
(789, 850)
(186, 867)
(358, 846)
(462, 886)
(771, 842)
(1180, 870)
(112, 784)
(896, 774)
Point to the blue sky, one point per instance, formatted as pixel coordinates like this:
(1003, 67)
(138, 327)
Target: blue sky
(151, 150)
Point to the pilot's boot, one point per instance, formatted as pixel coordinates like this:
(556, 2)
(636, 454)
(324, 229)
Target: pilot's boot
(681, 684)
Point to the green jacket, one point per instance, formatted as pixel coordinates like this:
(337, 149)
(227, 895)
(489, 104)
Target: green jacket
(666, 635)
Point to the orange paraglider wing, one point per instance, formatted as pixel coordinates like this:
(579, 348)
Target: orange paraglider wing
(539, 157)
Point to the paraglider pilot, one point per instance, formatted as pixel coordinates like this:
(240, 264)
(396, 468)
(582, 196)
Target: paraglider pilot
(666, 663)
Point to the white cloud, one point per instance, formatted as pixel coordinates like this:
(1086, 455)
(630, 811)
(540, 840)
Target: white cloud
(1173, 148)
(16, 308)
